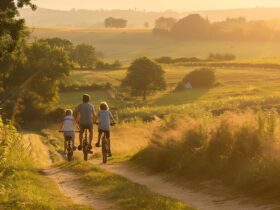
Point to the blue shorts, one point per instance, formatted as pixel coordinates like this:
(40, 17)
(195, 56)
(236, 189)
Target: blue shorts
(69, 134)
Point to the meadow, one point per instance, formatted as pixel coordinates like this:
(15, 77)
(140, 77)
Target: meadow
(234, 84)
(228, 132)
(128, 44)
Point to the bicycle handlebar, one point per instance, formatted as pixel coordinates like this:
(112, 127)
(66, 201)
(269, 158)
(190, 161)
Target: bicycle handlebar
(112, 124)
(60, 131)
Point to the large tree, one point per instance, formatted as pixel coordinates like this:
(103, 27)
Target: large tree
(44, 66)
(144, 77)
(85, 56)
(165, 23)
(12, 34)
(192, 27)
(66, 44)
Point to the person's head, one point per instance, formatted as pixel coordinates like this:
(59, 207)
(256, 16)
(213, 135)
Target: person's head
(68, 112)
(104, 106)
(86, 98)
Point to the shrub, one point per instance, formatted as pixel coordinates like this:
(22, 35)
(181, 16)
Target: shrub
(101, 65)
(78, 87)
(221, 57)
(232, 148)
(200, 78)
(165, 60)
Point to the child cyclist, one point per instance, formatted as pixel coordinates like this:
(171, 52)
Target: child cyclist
(68, 128)
(105, 119)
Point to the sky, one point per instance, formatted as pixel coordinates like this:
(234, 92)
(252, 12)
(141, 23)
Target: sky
(156, 5)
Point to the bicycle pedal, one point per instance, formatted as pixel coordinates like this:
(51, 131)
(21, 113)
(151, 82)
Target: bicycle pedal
(90, 152)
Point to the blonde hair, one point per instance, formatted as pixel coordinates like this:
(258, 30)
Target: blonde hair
(104, 106)
(68, 112)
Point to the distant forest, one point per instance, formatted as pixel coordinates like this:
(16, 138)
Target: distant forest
(135, 18)
(195, 27)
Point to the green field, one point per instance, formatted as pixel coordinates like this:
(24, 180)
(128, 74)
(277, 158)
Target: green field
(128, 44)
(234, 84)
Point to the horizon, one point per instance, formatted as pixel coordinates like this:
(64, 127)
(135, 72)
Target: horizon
(177, 6)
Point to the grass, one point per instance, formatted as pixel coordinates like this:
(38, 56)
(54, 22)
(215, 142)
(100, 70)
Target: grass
(241, 149)
(127, 45)
(22, 184)
(72, 99)
(29, 189)
(125, 194)
(126, 139)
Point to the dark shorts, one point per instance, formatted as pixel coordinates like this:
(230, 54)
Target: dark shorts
(83, 127)
(107, 133)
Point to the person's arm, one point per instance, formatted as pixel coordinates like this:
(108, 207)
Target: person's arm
(61, 127)
(112, 118)
(94, 117)
(77, 114)
(76, 125)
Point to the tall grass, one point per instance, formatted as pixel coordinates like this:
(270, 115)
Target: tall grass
(240, 148)
(22, 185)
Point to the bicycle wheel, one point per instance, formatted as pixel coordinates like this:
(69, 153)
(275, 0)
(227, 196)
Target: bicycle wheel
(104, 150)
(69, 155)
(69, 151)
(85, 156)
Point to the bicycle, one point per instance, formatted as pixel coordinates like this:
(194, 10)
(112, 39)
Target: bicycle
(86, 146)
(70, 148)
(105, 144)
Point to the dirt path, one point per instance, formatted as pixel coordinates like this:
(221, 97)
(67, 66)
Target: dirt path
(198, 200)
(67, 182)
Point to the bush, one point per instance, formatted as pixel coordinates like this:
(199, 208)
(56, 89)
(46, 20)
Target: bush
(169, 60)
(221, 57)
(101, 65)
(165, 60)
(234, 148)
(200, 78)
(78, 87)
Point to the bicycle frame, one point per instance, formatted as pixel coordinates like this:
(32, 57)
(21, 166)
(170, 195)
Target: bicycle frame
(86, 149)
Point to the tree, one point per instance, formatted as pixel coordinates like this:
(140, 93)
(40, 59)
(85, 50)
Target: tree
(66, 44)
(12, 34)
(201, 78)
(49, 65)
(165, 23)
(85, 56)
(192, 27)
(144, 77)
(146, 25)
(112, 22)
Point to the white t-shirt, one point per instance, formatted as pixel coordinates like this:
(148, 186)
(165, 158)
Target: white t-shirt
(68, 123)
(104, 117)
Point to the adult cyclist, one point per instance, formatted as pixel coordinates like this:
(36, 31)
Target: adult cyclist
(85, 115)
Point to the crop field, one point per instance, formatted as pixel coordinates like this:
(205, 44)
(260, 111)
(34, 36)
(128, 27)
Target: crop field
(128, 44)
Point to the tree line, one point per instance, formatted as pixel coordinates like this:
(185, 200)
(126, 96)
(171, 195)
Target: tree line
(112, 22)
(195, 27)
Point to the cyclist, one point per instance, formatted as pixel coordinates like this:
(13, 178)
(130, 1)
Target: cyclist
(85, 115)
(104, 121)
(68, 128)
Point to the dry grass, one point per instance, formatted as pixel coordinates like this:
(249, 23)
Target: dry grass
(240, 148)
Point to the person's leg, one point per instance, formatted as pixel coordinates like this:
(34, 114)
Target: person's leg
(98, 139)
(107, 133)
(65, 145)
(73, 140)
(90, 135)
(81, 136)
